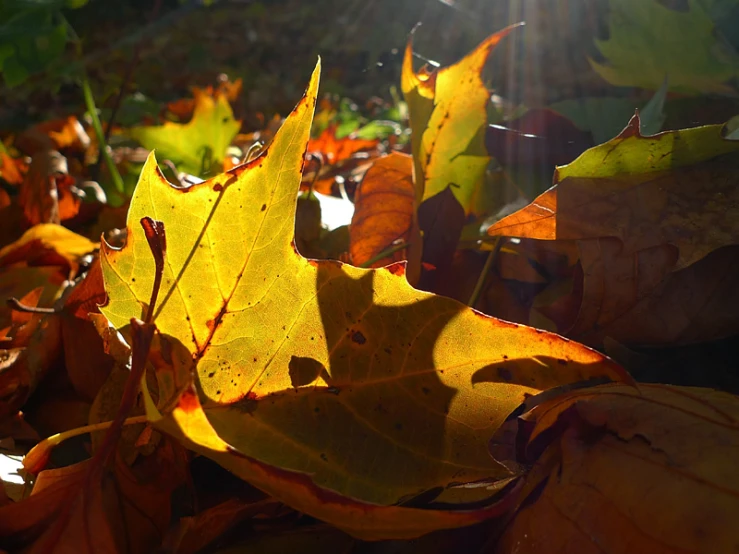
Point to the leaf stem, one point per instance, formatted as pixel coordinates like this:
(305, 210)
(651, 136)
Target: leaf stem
(92, 110)
(485, 270)
(384, 254)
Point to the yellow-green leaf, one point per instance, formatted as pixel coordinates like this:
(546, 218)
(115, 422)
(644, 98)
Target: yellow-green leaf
(448, 113)
(343, 392)
(199, 146)
(649, 40)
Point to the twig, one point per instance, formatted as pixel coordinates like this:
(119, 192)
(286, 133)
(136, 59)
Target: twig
(18, 306)
(484, 273)
(384, 254)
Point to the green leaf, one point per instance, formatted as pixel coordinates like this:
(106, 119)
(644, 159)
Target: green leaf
(649, 41)
(199, 146)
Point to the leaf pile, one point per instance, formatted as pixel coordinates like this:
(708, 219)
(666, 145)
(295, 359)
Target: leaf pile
(340, 332)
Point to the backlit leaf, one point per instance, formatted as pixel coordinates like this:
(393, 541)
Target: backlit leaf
(340, 391)
(448, 116)
(648, 41)
(646, 191)
(199, 146)
(385, 212)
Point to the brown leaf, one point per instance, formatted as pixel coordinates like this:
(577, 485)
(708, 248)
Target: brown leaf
(441, 219)
(193, 534)
(45, 194)
(86, 361)
(28, 357)
(626, 469)
(53, 135)
(87, 508)
(695, 304)
(645, 204)
(385, 212)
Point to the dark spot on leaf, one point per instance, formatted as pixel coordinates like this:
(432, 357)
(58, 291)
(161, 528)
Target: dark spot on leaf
(358, 337)
(425, 390)
(505, 374)
(217, 188)
(388, 351)
(505, 356)
(211, 374)
(264, 207)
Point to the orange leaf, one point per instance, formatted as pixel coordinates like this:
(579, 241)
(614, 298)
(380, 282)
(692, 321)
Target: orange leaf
(45, 194)
(12, 169)
(86, 508)
(384, 211)
(335, 150)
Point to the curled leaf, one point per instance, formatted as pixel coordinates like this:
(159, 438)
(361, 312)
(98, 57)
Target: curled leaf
(617, 469)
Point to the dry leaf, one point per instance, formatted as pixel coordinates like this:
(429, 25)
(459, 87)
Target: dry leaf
(626, 469)
(385, 213)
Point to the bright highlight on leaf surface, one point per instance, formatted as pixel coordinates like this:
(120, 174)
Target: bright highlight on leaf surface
(646, 191)
(342, 392)
(199, 146)
(448, 113)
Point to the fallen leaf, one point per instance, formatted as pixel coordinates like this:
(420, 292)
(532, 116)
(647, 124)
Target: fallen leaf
(46, 194)
(649, 40)
(12, 169)
(335, 150)
(193, 534)
(17, 280)
(28, 356)
(199, 146)
(290, 352)
(696, 304)
(331, 157)
(448, 116)
(86, 362)
(54, 135)
(441, 219)
(385, 212)
(642, 209)
(626, 469)
(185, 107)
(88, 508)
(48, 244)
(643, 191)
